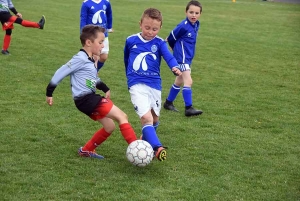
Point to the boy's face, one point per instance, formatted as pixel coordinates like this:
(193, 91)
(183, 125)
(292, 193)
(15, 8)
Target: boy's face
(193, 13)
(96, 46)
(150, 28)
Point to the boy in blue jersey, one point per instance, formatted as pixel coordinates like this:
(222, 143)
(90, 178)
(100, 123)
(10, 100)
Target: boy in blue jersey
(98, 12)
(8, 20)
(142, 58)
(182, 40)
(84, 82)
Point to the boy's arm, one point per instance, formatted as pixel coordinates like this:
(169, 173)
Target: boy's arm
(58, 76)
(175, 34)
(103, 87)
(170, 59)
(109, 16)
(13, 9)
(126, 55)
(83, 15)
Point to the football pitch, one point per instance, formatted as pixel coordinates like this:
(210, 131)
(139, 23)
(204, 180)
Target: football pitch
(246, 79)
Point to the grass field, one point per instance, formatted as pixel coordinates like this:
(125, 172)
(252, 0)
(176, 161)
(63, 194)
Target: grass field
(246, 145)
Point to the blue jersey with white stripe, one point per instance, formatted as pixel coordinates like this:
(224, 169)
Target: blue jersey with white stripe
(183, 39)
(97, 12)
(142, 60)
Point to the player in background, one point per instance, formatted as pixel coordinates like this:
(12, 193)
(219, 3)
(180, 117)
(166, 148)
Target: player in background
(142, 58)
(98, 12)
(182, 40)
(8, 20)
(84, 81)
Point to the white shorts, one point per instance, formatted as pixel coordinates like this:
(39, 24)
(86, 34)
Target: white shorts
(145, 98)
(105, 49)
(184, 67)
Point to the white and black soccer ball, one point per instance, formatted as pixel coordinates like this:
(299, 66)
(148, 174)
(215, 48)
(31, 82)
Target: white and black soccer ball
(140, 153)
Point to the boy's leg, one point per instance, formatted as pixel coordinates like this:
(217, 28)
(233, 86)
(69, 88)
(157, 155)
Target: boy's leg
(168, 105)
(187, 96)
(118, 115)
(155, 125)
(127, 132)
(174, 90)
(149, 135)
(6, 41)
(27, 23)
(147, 104)
(88, 150)
(98, 138)
(101, 135)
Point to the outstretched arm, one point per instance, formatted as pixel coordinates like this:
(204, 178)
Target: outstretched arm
(170, 59)
(83, 16)
(59, 75)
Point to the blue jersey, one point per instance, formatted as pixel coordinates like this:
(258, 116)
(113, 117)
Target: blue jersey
(142, 60)
(97, 12)
(183, 39)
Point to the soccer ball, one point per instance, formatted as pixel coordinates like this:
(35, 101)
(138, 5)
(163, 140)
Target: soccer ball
(140, 153)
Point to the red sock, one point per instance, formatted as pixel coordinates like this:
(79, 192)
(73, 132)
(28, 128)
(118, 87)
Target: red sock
(128, 132)
(99, 137)
(6, 42)
(26, 23)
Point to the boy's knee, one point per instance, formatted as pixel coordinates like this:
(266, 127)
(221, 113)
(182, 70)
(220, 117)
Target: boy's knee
(109, 128)
(147, 119)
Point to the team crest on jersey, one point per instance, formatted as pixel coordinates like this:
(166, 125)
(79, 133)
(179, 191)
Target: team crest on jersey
(154, 48)
(189, 35)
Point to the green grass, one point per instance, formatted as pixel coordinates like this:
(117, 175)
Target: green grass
(246, 145)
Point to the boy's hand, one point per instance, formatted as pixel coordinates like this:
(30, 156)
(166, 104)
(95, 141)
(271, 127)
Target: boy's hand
(176, 71)
(49, 100)
(19, 15)
(96, 58)
(107, 94)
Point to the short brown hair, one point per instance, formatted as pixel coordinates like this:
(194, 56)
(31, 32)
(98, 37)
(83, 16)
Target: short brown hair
(194, 3)
(89, 32)
(153, 13)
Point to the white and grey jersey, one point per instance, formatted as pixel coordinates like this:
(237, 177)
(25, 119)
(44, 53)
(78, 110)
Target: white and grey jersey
(83, 76)
(5, 5)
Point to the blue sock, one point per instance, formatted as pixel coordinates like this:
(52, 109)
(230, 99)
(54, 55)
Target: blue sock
(156, 125)
(173, 93)
(99, 65)
(187, 96)
(150, 136)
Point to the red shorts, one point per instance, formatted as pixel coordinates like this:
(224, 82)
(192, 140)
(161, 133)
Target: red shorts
(102, 109)
(7, 21)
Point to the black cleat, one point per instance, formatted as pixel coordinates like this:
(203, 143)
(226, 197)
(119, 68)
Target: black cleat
(170, 106)
(5, 52)
(192, 112)
(42, 22)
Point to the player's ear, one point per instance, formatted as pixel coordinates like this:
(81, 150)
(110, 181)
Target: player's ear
(88, 42)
